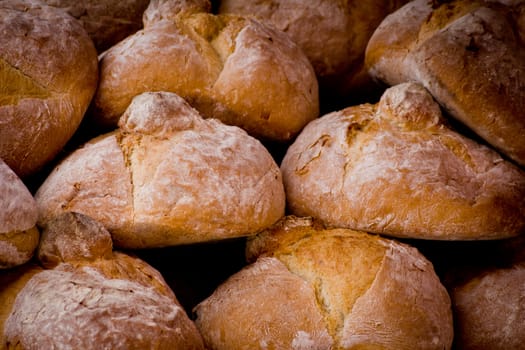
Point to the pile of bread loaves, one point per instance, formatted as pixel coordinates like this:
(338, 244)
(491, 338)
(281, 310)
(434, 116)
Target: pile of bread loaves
(276, 174)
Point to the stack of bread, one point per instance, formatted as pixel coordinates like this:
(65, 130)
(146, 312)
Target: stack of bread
(262, 175)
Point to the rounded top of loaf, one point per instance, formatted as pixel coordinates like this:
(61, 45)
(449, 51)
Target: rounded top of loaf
(235, 69)
(470, 55)
(341, 289)
(119, 302)
(48, 66)
(167, 176)
(396, 168)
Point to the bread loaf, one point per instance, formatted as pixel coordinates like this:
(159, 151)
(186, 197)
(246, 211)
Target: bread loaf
(18, 216)
(332, 34)
(48, 69)
(317, 288)
(93, 298)
(470, 55)
(11, 283)
(167, 177)
(228, 67)
(106, 22)
(395, 168)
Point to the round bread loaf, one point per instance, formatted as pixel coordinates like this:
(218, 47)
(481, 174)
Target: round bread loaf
(18, 216)
(117, 303)
(470, 55)
(48, 69)
(94, 298)
(333, 35)
(107, 22)
(166, 177)
(395, 168)
(228, 67)
(317, 288)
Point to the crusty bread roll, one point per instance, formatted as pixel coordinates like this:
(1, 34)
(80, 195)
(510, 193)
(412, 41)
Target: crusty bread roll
(317, 288)
(167, 177)
(228, 67)
(18, 216)
(11, 283)
(48, 69)
(107, 22)
(469, 54)
(395, 168)
(95, 298)
(333, 35)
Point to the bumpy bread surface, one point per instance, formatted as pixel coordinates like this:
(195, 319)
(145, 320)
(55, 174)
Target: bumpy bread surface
(395, 168)
(469, 54)
(18, 217)
(488, 309)
(333, 34)
(107, 22)
(166, 177)
(48, 68)
(11, 283)
(228, 67)
(116, 303)
(317, 288)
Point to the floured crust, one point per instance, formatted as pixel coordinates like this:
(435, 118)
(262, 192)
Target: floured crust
(228, 67)
(395, 168)
(470, 55)
(369, 291)
(11, 283)
(167, 177)
(49, 68)
(109, 303)
(332, 34)
(18, 216)
(489, 309)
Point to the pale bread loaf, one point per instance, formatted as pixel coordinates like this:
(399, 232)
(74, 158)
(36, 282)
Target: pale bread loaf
(48, 69)
(470, 55)
(228, 67)
(18, 216)
(317, 288)
(395, 168)
(167, 177)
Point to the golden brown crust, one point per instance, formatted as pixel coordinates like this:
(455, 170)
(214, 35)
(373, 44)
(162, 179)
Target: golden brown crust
(369, 291)
(233, 69)
(395, 168)
(106, 22)
(49, 68)
(168, 177)
(333, 34)
(117, 303)
(158, 10)
(469, 54)
(18, 216)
